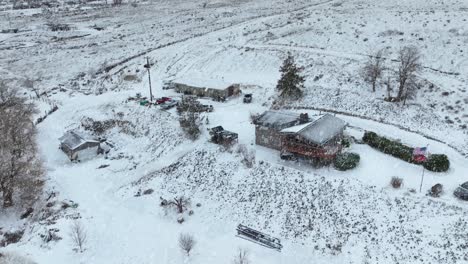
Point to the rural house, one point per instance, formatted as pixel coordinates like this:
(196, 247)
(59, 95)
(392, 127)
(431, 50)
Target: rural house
(268, 127)
(77, 146)
(214, 90)
(320, 139)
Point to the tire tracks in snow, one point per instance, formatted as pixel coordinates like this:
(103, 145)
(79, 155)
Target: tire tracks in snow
(206, 34)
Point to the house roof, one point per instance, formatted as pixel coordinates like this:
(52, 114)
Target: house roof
(323, 129)
(277, 119)
(74, 140)
(295, 129)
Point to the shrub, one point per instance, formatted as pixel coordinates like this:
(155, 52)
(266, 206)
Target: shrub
(186, 243)
(346, 161)
(437, 163)
(436, 190)
(387, 146)
(396, 182)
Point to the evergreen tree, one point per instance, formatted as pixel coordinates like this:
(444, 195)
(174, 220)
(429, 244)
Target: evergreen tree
(291, 83)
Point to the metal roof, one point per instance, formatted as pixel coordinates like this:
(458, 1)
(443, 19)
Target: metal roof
(320, 131)
(74, 140)
(278, 119)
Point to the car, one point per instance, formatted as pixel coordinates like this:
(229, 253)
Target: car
(462, 191)
(162, 100)
(206, 108)
(247, 98)
(168, 104)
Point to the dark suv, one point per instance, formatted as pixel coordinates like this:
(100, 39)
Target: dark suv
(462, 191)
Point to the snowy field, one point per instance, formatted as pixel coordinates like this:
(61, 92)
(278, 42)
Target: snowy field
(322, 215)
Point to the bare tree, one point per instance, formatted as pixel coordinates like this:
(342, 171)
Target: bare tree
(20, 167)
(78, 235)
(409, 65)
(372, 70)
(189, 119)
(241, 257)
(181, 203)
(186, 243)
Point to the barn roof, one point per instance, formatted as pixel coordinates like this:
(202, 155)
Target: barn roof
(278, 119)
(201, 83)
(74, 140)
(323, 129)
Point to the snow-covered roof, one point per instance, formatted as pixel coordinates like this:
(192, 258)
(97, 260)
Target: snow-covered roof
(278, 119)
(218, 84)
(295, 129)
(73, 140)
(323, 129)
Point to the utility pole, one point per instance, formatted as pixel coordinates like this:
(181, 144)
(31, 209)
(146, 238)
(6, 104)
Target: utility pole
(148, 66)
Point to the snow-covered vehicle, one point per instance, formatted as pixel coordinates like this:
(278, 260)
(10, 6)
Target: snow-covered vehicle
(247, 98)
(168, 104)
(462, 191)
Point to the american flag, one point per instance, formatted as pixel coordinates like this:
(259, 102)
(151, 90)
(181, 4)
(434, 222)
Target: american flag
(420, 154)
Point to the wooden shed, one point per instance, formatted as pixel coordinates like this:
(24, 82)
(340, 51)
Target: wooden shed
(78, 146)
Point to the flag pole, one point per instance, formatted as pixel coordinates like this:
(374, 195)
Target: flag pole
(422, 176)
(422, 179)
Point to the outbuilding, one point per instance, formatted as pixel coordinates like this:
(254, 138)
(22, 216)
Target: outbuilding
(78, 146)
(219, 91)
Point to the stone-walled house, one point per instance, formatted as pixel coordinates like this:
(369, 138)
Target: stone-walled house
(268, 126)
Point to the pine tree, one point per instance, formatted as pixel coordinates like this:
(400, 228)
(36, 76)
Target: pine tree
(291, 83)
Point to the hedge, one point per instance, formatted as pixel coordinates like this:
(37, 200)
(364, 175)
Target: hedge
(346, 161)
(435, 162)
(387, 146)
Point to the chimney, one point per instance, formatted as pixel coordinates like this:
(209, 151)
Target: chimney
(304, 118)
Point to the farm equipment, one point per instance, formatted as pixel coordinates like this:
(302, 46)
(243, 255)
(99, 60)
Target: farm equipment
(223, 137)
(258, 237)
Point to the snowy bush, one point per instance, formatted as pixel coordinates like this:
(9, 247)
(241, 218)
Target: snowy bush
(396, 182)
(437, 163)
(78, 236)
(241, 257)
(248, 155)
(346, 161)
(186, 243)
(387, 146)
(12, 258)
(436, 190)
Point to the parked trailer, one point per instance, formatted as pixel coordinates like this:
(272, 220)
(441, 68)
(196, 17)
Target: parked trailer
(258, 237)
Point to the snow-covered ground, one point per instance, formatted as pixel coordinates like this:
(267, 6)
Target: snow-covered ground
(322, 215)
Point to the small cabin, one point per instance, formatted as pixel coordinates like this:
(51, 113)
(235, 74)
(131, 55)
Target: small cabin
(78, 146)
(319, 139)
(268, 126)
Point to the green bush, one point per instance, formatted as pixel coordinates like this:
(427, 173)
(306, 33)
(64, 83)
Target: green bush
(388, 146)
(437, 163)
(346, 161)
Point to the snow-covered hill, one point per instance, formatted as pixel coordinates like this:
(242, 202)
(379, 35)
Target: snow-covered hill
(321, 215)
